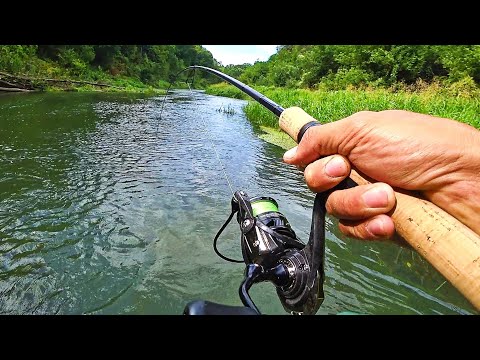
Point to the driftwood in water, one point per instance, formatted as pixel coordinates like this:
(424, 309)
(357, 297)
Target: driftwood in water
(9, 82)
(13, 89)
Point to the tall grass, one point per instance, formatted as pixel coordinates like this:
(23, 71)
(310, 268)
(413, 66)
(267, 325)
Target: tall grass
(327, 106)
(225, 90)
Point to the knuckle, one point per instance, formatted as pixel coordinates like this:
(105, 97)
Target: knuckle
(308, 138)
(308, 175)
(359, 120)
(363, 114)
(350, 230)
(312, 177)
(360, 231)
(343, 204)
(330, 206)
(336, 204)
(391, 112)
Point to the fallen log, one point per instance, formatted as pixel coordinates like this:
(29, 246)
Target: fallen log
(12, 89)
(31, 83)
(80, 82)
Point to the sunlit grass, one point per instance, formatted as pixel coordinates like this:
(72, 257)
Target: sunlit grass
(327, 106)
(225, 90)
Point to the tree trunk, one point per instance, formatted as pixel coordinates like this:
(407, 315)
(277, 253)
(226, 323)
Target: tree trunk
(13, 89)
(23, 83)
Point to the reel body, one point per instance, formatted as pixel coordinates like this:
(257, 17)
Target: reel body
(272, 252)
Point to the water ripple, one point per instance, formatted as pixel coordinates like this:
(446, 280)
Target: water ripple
(108, 206)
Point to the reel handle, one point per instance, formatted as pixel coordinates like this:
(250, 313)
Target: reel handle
(446, 243)
(201, 307)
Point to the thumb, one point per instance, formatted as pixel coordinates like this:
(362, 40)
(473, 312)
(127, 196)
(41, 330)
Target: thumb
(317, 141)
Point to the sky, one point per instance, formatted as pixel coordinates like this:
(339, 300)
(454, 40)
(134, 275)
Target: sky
(240, 54)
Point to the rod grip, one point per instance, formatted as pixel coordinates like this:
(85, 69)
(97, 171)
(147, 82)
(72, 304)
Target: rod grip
(446, 243)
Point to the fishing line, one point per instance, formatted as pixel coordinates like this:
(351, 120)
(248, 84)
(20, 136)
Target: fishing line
(204, 125)
(215, 149)
(207, 134)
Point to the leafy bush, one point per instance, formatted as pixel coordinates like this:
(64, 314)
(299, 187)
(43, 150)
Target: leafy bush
(465, 88)
(226, 90)
(17, 58)
(152, 65)
(357, 66)
(345, 78)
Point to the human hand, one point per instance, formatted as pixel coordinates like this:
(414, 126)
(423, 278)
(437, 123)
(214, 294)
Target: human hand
(438, 157)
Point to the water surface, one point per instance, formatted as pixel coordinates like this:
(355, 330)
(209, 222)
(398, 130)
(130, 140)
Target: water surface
(108, 208)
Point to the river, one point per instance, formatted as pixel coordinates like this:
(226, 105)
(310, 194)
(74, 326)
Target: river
(108, 206)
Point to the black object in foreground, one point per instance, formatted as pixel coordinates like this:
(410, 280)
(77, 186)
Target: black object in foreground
(270, 248)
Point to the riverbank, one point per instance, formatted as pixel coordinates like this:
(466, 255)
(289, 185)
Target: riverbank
(21, 83)
(457, 102)
(112, 68)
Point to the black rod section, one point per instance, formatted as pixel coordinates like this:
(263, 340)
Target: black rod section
(262, 99)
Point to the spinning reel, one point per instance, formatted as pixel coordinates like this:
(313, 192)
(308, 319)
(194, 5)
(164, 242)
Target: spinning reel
(272, 252)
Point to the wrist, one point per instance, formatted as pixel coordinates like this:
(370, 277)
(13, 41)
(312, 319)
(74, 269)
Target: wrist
(461, 200)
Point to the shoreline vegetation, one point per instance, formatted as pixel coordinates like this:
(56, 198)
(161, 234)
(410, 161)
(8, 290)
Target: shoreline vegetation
(453, 102)
(10, 83)
(329, 82)
(126, 68)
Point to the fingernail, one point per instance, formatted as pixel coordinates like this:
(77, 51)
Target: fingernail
(290, 153)
(375, 227)
(376, 198)
(336, 167)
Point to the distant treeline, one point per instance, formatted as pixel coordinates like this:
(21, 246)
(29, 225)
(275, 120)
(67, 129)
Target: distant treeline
(153, 65)
(327, 67)
(341, 66)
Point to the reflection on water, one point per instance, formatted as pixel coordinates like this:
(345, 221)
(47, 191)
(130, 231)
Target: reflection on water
(108, 208)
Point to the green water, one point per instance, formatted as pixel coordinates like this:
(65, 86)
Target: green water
(106, 208)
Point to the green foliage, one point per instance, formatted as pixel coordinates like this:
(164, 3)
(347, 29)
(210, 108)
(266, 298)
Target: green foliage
(234, 70)
(345, 78)
(461, 61)
(255, 74)
(146, 65)
(465, 88)
(454, 69)
(16, 58)
(226, 90)
(459, 102)
(337, 67)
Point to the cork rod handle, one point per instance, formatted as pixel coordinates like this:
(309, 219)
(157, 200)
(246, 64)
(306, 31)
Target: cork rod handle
(450, 246)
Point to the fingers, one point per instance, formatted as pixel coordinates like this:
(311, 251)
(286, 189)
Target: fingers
(319, 141)
(362, 211)
(379, 227)
(323, 153)
(325, 173)
(361, 202)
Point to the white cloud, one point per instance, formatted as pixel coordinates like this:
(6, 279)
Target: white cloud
(241, 54)
(269, 49)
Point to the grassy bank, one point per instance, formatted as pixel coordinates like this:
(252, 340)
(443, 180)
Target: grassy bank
(129, 85)
(456, 103)
(18, 82)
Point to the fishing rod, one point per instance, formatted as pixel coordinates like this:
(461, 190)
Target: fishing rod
(446, 243)
(270, 248)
